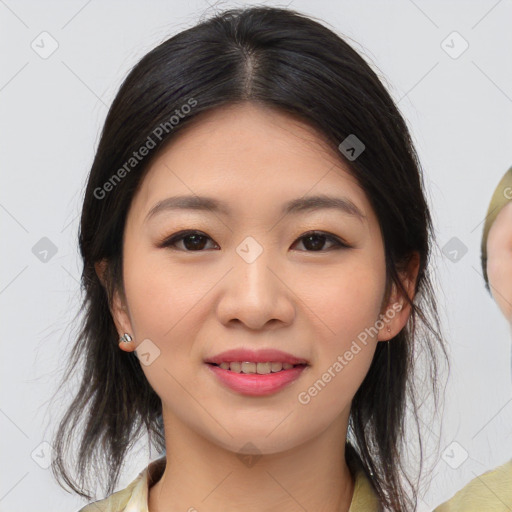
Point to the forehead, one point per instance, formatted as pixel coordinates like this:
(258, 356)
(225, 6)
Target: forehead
(248, 155)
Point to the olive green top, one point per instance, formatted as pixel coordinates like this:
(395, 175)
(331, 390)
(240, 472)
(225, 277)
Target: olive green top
(490, 492)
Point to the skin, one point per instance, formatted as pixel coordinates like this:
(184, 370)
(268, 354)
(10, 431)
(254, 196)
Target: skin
(499, 260)
(309, 302)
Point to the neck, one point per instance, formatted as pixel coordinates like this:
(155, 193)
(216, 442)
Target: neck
(204, 476)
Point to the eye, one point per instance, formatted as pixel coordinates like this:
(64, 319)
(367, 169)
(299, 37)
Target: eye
(195, 241)
(316, 241)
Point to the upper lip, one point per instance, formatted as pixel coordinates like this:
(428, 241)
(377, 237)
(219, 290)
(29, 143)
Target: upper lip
(255, 356)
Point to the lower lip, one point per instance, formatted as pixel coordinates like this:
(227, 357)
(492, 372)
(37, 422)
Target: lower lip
(254, 384)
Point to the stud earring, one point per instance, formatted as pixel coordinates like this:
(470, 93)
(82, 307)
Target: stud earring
(126, 338)
(389, 329)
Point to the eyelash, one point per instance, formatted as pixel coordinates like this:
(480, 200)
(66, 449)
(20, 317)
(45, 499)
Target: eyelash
(172, 240)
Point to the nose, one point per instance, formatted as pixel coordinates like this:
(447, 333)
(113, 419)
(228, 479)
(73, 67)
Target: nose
(256, 293)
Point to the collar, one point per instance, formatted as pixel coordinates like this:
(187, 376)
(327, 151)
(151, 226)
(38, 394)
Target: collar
(364, 498)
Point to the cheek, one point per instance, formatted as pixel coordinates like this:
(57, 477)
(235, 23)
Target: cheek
(499, 274)
(165, 308)
(496, 269)
(161, 295)
(346, 309)
(345, 299)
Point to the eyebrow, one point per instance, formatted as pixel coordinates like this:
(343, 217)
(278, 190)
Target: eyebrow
(295, 206)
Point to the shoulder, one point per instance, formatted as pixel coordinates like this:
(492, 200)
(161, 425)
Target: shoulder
(491, 491)
(364, 498)
(134, 497)
(118, 501)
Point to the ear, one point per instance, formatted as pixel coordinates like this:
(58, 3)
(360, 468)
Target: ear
(396, 309)
(119, 309)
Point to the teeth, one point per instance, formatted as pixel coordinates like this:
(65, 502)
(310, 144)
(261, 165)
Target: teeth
(259, 368)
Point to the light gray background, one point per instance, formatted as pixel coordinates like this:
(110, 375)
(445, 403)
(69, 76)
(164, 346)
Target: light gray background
(51, 110)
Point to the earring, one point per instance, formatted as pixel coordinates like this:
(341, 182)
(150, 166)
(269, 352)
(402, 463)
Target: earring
(389, 329)
(126, 338)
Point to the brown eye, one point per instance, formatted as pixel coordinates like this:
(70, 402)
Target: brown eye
(315, 241)
(193, 241)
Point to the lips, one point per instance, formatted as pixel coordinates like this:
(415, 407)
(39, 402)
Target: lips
(253, 384)
(256, 356)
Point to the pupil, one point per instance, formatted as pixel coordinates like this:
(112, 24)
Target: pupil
(317, 245)
(195, 239)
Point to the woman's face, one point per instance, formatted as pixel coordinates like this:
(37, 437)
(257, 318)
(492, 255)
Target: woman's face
(499, 260)
(250, 279)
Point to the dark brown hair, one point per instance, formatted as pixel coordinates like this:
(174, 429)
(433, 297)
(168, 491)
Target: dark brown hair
(282, 59)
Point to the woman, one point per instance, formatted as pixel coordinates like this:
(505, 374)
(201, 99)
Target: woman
(256, 246)
(492, 491)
